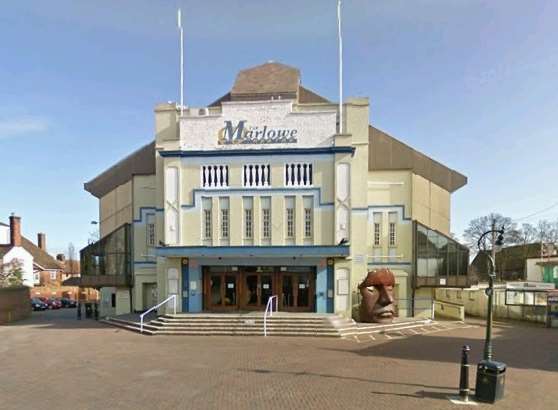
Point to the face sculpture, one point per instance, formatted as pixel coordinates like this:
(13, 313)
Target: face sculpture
(377, 303)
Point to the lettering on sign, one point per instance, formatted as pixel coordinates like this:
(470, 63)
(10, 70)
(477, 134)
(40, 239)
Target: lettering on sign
(243, 134)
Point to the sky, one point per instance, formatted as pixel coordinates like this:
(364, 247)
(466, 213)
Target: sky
(473, 84)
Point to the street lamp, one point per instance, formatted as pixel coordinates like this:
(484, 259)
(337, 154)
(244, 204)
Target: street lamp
(496, 241)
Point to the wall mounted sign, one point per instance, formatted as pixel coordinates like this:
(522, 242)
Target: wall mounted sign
(241, 133)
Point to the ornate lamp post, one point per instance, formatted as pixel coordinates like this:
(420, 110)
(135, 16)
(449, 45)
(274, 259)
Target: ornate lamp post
(496, 241)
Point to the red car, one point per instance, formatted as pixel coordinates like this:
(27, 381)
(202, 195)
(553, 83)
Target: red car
(51, 303)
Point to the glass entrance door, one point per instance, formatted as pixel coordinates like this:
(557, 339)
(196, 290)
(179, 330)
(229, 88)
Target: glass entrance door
(297, 292)
(257, 288)
(221, 291)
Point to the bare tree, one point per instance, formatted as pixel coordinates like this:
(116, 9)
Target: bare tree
(71, 264)
(480, 225)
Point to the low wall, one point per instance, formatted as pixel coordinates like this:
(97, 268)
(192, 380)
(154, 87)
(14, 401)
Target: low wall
(14, 304)
(449, 310)
(475, 303)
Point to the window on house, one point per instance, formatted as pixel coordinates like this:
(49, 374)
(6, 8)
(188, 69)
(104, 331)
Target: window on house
(266, 217)
(224, 206)
(215, 176)
(248, 217)
(392, 228)
(256, 175)
(308, 208)
(377, 228)
(52, 275)
(290, 216)
(207, 228)
(298, 174)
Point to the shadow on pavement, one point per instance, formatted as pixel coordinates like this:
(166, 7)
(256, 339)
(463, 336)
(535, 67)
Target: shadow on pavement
(523, 347)
(351, 378)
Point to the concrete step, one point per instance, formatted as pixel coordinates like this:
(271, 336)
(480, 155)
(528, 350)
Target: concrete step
(246, 333)
(131, 327)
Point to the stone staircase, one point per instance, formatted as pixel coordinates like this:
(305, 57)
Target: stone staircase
(280, 324)
(247, 324)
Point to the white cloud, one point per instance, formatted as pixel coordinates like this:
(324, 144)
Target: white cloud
(21, 126)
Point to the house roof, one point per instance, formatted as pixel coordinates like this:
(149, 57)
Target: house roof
(276, 80)
(40, 257)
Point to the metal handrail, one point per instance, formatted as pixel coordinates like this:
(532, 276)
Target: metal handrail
(269, 307)
(155, 307)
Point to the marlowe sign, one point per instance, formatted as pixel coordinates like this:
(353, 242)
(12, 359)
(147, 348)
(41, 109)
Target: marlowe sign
(241, 134)
(257, 125)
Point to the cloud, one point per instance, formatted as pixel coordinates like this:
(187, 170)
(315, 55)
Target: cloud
(21, 126)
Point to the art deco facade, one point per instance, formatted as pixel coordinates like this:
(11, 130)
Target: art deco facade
(258, 194)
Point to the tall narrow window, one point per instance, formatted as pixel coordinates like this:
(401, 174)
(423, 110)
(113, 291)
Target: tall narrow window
(224, 207)
(266, 217)
(150, 230)
(377, 228)
(248, 217)
(207, 218)
(392, 228)
(290, 216)
(308, 209)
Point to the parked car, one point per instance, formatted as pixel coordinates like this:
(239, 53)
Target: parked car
(37, 304)
(68, 303)
(56, 303)
(51, 303)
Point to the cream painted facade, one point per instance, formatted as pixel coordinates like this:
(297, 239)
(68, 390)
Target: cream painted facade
(229, 200)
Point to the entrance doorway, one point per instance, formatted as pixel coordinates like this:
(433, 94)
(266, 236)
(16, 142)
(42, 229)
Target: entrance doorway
(250, 287)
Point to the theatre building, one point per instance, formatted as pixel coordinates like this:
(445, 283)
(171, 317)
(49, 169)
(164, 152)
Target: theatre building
(259, 194)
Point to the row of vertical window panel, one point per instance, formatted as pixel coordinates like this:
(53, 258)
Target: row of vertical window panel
(215, 176)
(392, 228)
(298, 174)
(248, 217)
(257, 175)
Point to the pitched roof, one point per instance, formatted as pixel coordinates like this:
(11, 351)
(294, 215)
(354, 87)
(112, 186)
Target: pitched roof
(139, 162)
(388, 153)
(265, 81)
(40, 257)
(4, 249)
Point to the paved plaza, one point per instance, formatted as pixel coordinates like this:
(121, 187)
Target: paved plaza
(54, 361)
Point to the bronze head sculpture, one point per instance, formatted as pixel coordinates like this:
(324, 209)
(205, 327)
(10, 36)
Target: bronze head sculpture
(378, 303)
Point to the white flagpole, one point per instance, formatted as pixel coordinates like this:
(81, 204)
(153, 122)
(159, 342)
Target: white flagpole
(181, 62)
(340, 41)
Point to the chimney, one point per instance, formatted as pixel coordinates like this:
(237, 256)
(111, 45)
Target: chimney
(15, 230)
(60, 257)
(41, 241)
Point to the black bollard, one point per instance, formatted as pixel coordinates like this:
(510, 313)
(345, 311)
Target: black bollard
(96, 311)
(79, 311)
(464, 377)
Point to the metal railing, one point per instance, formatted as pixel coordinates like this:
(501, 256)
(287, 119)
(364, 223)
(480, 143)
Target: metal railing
(155, 307)
(269, 308)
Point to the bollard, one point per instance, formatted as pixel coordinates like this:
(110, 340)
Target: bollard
(79, 311)
(464, 377)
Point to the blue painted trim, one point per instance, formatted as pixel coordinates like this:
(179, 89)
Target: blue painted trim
(145, 263)
(228, 251)
(185, 285)
(329, 288)
(259, 152)
(257, 191)
(402, 207)
(142, 210)
(389, 263)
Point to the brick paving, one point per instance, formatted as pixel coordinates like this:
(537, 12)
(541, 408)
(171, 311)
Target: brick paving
(53, 361)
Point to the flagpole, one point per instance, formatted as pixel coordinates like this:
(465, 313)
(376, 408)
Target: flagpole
(340, 41)
(181, 62)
